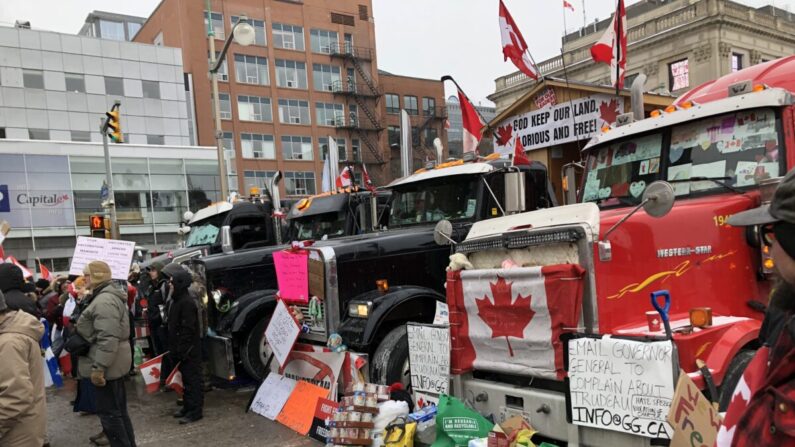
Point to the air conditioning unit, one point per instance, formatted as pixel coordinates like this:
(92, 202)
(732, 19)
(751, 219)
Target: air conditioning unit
(327, 87)
(295, 120)
(251, 79)
(256, 117)
(288, 44)
(258, 155)
(290, 83)
(224, 76)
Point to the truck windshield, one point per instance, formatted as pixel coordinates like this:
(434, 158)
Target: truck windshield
(713, 154)
(205, 232)
(318, 227)
(451, 198)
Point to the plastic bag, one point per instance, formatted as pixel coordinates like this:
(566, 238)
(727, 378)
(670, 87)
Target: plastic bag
(399, 433)
(387, 412)
(456, 424)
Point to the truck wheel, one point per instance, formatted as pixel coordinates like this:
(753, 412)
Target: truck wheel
(256, 351)
(391, 359)
(733, 374)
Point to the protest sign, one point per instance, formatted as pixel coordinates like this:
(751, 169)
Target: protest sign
(292, 275)
(429, 357)
(442, 315)
(272, 395)
(282, 332)
(319, 368)
(622, 385)
(298, 412)
(694, 419)
(117, 254)
(324, 410)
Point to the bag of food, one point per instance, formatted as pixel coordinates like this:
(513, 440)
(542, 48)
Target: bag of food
(456, 424)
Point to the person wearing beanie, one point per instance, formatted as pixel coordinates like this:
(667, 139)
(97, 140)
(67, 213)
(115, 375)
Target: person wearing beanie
(104, 321)
(768, 417)
(12, 282)
(23, 410)
(41, 285)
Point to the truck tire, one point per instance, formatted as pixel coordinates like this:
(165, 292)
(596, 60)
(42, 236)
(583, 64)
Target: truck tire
(391, 358)
(256, 351)
(733, 374)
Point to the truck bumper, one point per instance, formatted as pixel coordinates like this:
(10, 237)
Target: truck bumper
(504, 400)
(220, 357)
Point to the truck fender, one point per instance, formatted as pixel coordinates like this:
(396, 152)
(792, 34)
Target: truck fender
(252, 307)
(402, 304)
(737, 337)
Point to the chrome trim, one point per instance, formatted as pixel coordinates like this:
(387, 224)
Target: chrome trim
(221, 357)
(332, 298)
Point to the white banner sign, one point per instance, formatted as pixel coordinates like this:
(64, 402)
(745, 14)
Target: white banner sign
(117, 254)
(318, 368)
(272, 395)
(429, 357)
(566, 121)
(282, 332)
(621, 385)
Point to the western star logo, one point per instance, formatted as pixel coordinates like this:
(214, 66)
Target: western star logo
(42, 199)
(5, 204)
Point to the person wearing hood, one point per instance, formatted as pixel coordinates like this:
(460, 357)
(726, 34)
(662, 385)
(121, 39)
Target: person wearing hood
(155, 306)
(23, 410)
(12, 282)
(105, 323)
(184, 336)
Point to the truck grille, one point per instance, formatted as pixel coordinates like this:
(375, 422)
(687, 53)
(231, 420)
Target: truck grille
(520, 239)
(315, 327)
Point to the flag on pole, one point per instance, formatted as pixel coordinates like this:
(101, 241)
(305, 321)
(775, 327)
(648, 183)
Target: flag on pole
(612, 46)
(52, 375)
(150, 371)
(345, 178)
(519, 157)
(174, 381)
(568, 5)
(44, 272)
(472, 123)
(514, 46)
(25, 272)
(366, 179)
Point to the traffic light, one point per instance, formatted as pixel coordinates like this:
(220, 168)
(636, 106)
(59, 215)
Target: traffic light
(114, 125)
(100, 226)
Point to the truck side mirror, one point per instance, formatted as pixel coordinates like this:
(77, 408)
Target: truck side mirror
(226, 239)
(515, 192)
(442, 233)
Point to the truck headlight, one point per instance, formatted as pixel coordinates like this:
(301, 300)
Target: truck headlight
(222, 299)
(360, 309)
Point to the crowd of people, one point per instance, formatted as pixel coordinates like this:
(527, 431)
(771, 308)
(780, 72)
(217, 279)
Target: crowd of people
(90, 319)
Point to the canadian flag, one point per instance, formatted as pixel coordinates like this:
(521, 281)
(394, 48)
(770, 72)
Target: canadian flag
(150, 371)
(510, 320)
(568, 5)
(513, 45)
(366, 179)
(612, 46)
(519, 157)
(752, 380)
(344, 179)
(25, 272)
(174, 380)
(472, 123)
(44, 272)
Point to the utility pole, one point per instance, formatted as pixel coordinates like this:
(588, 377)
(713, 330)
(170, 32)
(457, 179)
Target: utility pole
(111, 202)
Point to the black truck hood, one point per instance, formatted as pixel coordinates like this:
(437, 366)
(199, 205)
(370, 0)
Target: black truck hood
(166, 258)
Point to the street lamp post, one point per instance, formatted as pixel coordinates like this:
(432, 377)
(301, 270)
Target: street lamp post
(244, 36)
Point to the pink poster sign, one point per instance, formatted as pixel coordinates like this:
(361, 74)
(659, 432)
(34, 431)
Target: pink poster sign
(292, 274)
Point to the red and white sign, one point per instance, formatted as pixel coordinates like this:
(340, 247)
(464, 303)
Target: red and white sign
(510, 320)
(546, 98)
(151, 371)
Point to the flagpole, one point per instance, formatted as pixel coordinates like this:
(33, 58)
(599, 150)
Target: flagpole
(617, 33)
(568, 88)
(450, 78)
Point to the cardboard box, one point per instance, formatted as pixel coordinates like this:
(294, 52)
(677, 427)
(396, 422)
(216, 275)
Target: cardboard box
(316, 278)
(692, 416)
(504, 434)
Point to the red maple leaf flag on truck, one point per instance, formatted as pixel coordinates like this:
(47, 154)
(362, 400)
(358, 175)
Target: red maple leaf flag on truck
(513, 45)
(472, 123)
(612, 46)
(511, 320)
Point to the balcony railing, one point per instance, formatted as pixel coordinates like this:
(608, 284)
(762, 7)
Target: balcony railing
(438, 112)
(354, 88)
(347, 50)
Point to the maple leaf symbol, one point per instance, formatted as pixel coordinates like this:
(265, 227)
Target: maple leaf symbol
(505, 318)
(504, 134)
(155, 372)
(608, 111)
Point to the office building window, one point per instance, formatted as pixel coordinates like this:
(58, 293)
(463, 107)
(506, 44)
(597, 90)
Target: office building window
(81, 135)
(151, 89)
(228, 142)
(259, 179)
(294, 111)
(256, 145)
(329, 114)
(299, 183)
(678, 75)
(428, 106)
(323, 41)
(289, 37)
(109, 29)
(155, 139)
(323, 146)
(297, 148)
(290, 74)
(114, 86)
(737, 62)
(75, 82)
(33, 78)
(356, 153)
(251, 69)
(218, 24)
(393, 135)
(325, 76)
(223, 70)
(410, 104)
(38, 134)
(259, 30)
(132, 29)
(392, 103)
(225, 104)
(254, 108)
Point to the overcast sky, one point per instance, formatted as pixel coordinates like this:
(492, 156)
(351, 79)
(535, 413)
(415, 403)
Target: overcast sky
(423, 38)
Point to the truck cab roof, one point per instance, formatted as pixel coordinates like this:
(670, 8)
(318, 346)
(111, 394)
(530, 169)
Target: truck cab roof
(457, 167)
(330, 202)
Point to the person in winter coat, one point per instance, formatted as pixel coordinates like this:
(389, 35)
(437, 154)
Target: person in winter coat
(184, 336)
(11, 283)
(155, 307)
(23, 411)
(105, 323)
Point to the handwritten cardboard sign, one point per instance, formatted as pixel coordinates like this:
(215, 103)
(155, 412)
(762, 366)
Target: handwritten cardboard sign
(117, 254)
(429, 357)
(694, 419)
(621, 385)
(299, 411)
(292, 274)
(272, 395)
(282, 332)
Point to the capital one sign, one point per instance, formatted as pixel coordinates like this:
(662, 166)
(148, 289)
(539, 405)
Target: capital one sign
(36, 193)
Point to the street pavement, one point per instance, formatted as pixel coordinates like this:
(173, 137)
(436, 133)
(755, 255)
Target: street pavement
(225, 421)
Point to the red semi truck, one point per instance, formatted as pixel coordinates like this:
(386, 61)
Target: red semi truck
(653, 203)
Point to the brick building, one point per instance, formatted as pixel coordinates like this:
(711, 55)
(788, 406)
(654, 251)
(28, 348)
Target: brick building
(311, 74)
